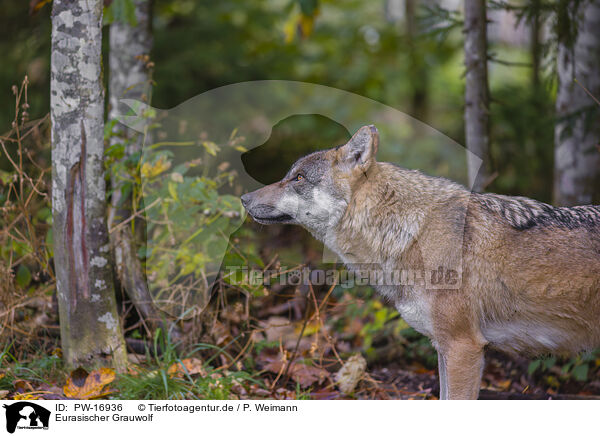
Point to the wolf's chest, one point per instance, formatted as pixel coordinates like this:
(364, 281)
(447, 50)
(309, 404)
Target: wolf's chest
(417, 314)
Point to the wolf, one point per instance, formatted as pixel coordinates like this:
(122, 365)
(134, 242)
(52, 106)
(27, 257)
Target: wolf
(525, 275)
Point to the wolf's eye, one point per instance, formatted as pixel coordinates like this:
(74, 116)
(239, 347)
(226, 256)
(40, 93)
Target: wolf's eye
(298, 177)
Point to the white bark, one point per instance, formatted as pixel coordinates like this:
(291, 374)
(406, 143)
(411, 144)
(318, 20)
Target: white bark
(577, 130)
(90, 330)
(129, 78)
(477, 100)
(129, 46)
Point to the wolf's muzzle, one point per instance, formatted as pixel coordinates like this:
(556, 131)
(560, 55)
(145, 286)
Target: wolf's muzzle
(261, 212)
(246, 199)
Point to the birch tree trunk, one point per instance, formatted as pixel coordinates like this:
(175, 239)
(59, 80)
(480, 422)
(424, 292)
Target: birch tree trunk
(577, 130)
(129, 77)
(90, 329)
(477, 100)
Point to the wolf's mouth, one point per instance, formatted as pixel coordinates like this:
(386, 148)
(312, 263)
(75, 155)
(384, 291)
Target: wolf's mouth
(265, 214)
(284, 218)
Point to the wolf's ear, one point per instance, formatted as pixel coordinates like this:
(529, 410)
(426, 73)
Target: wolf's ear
(361, 149)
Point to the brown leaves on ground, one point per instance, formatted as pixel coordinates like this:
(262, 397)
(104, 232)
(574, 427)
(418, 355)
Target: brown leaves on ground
(303, 374)
(82, 385)
(278, 328)
(189, 366)
(25, 391)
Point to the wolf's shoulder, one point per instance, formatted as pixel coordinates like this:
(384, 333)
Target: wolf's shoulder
(521, 213)
(420, 180)
(524, 213)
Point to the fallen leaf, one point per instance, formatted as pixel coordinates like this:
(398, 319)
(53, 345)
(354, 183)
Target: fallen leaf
(84, 386)
(3, 394)
(350, 374)
(51, 392)
(260, 392)
(33, 395)
(306, 375)
(22, 386)
(238, 389)
(310, 329)
(504, 385)
(278, 328)
(136, 358)
(324, 394)
(303, 374)
(193, 366)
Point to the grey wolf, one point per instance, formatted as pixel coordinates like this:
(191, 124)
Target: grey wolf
(529, 272)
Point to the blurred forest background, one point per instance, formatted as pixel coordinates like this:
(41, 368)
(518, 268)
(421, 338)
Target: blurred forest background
(273, 340)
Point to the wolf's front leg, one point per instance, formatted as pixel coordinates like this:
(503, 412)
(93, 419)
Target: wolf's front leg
(461, 365)
(443, 375)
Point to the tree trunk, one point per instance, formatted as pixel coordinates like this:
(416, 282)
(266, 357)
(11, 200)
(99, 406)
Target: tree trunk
(417, 70)
(536, 44)
(130, 47)
(577, 129)
(477, 100)
(90, 329)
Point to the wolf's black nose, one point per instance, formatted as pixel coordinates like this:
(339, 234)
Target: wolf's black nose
(245, 199)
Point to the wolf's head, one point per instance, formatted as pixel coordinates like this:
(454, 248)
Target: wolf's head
(317, 189)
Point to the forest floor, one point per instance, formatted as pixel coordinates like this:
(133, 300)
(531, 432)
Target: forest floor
(351, 348)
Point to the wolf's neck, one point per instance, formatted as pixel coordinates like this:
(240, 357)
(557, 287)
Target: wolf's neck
(382, 220)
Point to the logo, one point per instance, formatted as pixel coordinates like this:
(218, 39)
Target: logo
(26, 415)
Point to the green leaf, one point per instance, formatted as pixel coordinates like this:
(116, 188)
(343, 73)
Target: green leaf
(50, 242)
(533, 367)
(133, 159)
(126, 189)
(5, 177)
(173, 190)
(23, 277)
(211, 147)
(45, 215)
(308, 7)
(549, 362)
(580, 373)
(122, 11)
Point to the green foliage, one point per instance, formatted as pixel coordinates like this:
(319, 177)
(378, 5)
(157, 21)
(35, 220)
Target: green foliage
(522, 149)
(189, 214)
(438, 22)
(23, 277)
(152, 385)
(308, 7)
(39, 368)
(380, 316)
(384, 328)
(25, 50)
(196, 221)
(155, 381)
(25, 213)
(554, 370)
(353, 45)
(122, 11)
